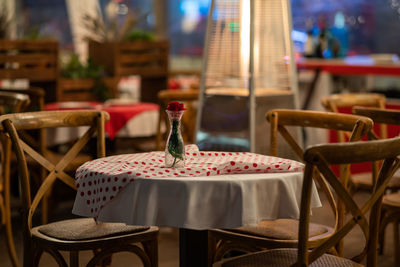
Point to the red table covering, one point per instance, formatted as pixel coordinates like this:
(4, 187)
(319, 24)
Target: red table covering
(119, 115)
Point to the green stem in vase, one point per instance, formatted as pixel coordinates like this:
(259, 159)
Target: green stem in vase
(173, 163)
(175, 146)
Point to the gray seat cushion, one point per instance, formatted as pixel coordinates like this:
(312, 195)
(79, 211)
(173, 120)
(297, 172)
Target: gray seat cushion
(281, 258)
(282, 229)
(86, 228)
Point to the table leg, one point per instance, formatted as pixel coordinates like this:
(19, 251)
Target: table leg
(193, 248)
(311, 89)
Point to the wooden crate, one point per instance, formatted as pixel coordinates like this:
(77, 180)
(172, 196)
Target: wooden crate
(35, 60)
(149, 59)
(80, 89)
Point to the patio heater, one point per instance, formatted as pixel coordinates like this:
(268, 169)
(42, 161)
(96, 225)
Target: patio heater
(248, 69)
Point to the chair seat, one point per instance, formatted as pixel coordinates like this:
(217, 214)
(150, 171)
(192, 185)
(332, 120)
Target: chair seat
(86, 229)
(282, 229)
(392, 200)
(282, 257)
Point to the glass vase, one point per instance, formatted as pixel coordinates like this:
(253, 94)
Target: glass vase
(175, 149)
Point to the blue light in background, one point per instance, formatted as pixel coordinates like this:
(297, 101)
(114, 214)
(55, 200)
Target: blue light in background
(201, 6)
(193, 12)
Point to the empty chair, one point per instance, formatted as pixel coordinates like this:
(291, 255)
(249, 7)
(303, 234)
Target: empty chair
(322, 157)
(9, 102)
(188, 119)
(391, 201)
(76, 234)
(279, 233)
(36, 96)
(38, 141)
(338, 102)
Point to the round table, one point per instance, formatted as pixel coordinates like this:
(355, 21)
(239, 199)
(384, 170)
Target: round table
(140, 191)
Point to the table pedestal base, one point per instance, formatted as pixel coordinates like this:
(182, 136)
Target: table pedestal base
(193, 248)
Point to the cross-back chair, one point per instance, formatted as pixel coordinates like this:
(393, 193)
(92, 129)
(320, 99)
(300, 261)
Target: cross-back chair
(9, 102)
(335, 103)
(188, 119)
(76, 234)
(391, 201)
(322, 157)
(282, 232)
(38, 140)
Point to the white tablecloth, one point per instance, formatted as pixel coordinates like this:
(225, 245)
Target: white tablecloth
(221, 201)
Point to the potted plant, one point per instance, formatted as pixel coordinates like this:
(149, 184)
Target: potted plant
(81, 82)
(126, 50)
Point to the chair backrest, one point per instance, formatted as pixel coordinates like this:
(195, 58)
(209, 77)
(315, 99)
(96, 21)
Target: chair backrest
(335, 101)
(383, 117)
(188, 119)
(36, 103)
(9, 103)
(36, 95)
(378, 115)
(322, 157)
(11, 124)
(348, 100)
(280, 119)
(13, 102)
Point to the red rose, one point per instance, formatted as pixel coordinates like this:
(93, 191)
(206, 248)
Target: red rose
(175, 106)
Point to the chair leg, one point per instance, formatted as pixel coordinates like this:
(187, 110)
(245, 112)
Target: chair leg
(31, 256)
(151, 249)
(106, 261)
(382, 227)
(10, 242)
(212, 245)
(106, 253)
(74, 258)
(396, 242)
(6, 221)
(45, 200)
(57, 257)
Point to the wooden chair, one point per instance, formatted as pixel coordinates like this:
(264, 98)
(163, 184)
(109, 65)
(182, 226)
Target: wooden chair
(334, 103)
(189, 117)
(38, 141)
(36, 95)
(279, 233)
(11, 102)
(322, 157)
(391, 201)
(75, 234)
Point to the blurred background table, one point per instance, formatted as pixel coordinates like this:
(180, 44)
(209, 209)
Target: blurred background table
(357, 65)
(127, 120)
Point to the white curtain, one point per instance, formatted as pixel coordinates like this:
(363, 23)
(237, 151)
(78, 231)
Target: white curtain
(76, 10)
(9, 6)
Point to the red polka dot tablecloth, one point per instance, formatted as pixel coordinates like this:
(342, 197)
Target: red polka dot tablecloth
(99, 181)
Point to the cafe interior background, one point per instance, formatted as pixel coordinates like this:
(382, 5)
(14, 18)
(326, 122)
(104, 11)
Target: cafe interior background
(359, 30)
